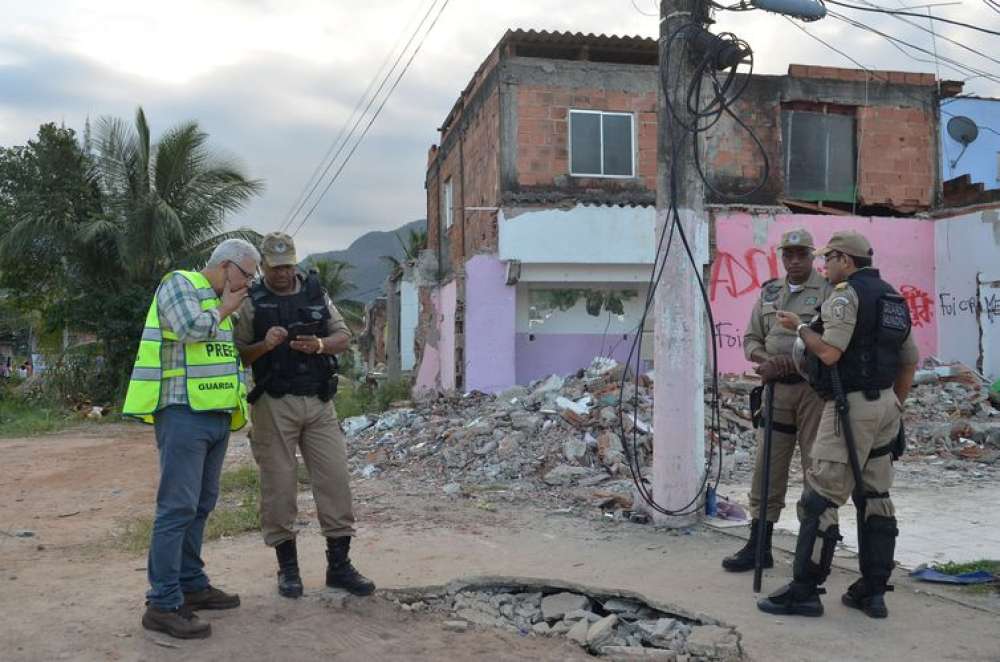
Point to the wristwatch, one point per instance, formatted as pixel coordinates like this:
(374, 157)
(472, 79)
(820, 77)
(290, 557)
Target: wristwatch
(798, 329)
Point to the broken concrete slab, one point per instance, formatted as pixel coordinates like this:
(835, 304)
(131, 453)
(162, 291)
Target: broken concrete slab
(620, 653)
(578, 632)
(564, 474)
(715, 642)
(601, 632)
(556, 606)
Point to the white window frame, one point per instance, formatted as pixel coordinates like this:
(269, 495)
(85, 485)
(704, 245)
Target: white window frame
(602, 113)
(447, 213)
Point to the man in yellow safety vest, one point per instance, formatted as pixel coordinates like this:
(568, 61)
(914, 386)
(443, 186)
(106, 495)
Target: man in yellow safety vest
(187, 383)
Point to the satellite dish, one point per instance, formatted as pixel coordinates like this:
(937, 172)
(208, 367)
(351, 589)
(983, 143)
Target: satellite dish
(964, 131)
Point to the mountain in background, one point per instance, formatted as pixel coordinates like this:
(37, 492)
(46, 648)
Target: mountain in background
(364, 255)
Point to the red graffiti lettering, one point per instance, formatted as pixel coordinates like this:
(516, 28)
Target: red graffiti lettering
(741, 277)
(920, 303)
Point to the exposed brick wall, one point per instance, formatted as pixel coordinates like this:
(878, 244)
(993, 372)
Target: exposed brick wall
(733, 162)
(861, 75)
(897, 161)
(543, 135)
(481, 151)
(473, 138)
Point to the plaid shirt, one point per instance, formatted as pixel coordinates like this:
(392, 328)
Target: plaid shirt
(180, 311)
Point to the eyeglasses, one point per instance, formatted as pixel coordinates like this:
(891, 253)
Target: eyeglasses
(831, 256)
(247, 275)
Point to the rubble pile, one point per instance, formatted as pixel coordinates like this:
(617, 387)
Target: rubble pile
(618, 628)
(557, 432)
(566, 433)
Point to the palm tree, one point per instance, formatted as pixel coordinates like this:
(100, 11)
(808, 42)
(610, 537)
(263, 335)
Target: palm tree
(165, 202)
(333, 277)
(416, 241)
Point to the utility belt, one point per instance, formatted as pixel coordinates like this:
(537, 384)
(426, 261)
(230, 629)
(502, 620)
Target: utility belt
(276, 389)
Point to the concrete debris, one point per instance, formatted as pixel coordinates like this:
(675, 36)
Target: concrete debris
(558, 605)
(558, 437)
(356, 424)
(602, 632)
(578, 632)
(456, 626)
(634, 630)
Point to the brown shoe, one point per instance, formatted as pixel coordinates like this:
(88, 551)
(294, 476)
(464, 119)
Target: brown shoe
(180, 623)
(211, 598)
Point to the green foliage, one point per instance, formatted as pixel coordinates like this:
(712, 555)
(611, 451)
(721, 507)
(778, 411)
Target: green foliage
(612, 301)
(87, 234)
(416, 241)
(237, 512)
(20, 417)
(357, 400)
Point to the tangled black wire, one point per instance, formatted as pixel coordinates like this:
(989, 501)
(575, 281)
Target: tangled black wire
(705, 115)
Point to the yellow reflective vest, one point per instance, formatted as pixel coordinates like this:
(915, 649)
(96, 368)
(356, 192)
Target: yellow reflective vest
(211, 367)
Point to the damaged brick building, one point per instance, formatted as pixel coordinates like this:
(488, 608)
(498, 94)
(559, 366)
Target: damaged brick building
(541, 198)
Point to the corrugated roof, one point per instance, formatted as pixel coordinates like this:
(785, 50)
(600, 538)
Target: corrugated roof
(580, 39)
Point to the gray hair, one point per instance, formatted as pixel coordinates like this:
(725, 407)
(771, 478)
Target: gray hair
(234, 250)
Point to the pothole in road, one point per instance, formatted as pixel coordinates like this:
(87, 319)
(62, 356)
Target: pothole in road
(612, 624)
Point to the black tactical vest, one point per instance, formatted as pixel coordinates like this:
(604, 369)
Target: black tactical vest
(872, 359)
(284, 370)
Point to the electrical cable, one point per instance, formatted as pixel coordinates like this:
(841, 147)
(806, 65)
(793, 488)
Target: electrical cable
(875, 74)
(934, 34)
(886, 10)
(644, 13)
(312, 182)
(378, 111)
(705, 117)
(958, 66)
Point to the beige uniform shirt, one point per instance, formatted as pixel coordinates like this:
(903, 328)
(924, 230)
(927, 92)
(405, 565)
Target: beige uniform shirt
(840, 315)
(243, 325)
(764, 332)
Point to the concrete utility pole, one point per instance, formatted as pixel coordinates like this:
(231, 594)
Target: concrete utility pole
(679, 356)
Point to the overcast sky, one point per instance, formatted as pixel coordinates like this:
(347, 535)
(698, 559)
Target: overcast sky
(272, 82)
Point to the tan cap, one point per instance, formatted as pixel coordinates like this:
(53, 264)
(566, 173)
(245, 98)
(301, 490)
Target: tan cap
(797, 237)
(848, 242)
(278, 250)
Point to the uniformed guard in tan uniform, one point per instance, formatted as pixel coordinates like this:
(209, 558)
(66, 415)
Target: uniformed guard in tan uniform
(797, 408)
(289, 331)
(861, 357)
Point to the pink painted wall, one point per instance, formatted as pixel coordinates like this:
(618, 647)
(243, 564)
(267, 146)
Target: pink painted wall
(490, 318)
(746, 257)
(437, 365)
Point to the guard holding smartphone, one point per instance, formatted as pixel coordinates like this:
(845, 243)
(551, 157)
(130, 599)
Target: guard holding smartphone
(290, 332)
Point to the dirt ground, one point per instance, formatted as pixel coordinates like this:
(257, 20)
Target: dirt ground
(68, 593)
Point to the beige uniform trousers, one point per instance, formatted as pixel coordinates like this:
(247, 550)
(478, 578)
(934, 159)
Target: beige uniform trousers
(795, 406)
(280, 425)
(875, 423)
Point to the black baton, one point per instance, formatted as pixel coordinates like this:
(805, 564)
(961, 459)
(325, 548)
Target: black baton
(765, 487)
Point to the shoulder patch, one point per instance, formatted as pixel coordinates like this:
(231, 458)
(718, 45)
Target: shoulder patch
(768, 282)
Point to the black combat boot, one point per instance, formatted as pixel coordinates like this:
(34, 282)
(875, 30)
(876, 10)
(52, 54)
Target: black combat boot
(801, 596)
(860, 596)
(289, 580)
(744, 559)
(877, 544)
(340, 572)
(794, 599)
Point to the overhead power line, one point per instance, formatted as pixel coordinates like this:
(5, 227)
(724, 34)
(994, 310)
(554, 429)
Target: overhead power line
(313, 182)
(955, 64)
(343, 139)
(877, 75)
(371, 121)
(897, 12)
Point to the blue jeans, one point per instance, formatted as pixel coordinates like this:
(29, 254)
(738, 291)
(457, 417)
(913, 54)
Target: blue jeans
(192, 447)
